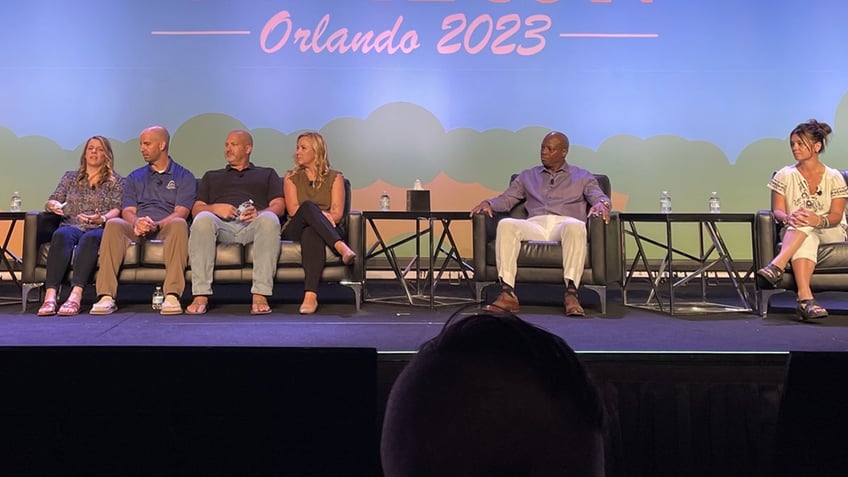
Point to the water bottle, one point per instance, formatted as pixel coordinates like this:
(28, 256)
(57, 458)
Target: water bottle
(417, 185)
(665, 202)
(158, 298)
(715, 203)
(242, 208)
(385, 201)
(16, 204)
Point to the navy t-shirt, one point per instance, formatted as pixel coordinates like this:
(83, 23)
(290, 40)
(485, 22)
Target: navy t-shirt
(233, 186)
(156, 194)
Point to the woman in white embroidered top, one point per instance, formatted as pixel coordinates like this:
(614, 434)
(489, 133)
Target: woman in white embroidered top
(808, 198)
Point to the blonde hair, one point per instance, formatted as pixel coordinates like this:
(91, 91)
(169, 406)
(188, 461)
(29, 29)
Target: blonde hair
(322, 159)
(106, 171)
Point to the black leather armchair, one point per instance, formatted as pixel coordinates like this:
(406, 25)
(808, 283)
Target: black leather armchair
(233, 263)
(541, 262)
(831, 272)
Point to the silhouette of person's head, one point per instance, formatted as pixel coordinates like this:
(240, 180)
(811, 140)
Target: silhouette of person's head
(493, 395)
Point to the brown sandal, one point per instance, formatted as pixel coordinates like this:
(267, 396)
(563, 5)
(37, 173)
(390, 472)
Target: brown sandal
(772, 274)
(809, 309)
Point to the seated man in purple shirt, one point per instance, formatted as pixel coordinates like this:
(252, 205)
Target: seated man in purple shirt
(557, 196)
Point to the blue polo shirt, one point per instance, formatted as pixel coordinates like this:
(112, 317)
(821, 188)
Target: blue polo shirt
(156, 194)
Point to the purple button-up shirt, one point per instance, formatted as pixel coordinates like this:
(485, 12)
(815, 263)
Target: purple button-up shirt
(569, 191)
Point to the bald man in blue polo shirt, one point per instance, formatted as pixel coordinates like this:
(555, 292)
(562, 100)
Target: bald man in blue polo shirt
(157, 200)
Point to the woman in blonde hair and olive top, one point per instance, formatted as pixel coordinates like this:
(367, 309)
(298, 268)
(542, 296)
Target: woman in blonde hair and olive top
(315, 203)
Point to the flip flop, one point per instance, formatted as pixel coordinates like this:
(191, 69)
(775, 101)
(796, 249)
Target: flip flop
(197, 307)
(260, 306)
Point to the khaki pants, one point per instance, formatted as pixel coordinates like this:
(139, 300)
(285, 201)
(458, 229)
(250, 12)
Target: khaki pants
(116, 239)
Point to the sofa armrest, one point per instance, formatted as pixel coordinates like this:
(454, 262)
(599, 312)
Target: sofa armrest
(479, 241)
(356, 241)
(38, 229)
(606, 249)
(766, 234)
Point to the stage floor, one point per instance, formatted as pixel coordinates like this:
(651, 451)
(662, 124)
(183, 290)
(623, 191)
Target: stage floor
(688, 395)
(401, 329)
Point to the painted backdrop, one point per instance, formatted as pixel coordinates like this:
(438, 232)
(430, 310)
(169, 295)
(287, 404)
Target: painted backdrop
(686, 96)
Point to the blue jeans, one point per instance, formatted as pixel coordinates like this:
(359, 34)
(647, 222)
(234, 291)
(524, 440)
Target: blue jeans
(62, 253)
(207, 230)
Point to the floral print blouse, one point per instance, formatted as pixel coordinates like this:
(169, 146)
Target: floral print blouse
(82, 198)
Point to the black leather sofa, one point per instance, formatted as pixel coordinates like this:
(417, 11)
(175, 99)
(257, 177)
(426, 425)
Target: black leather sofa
(831, 272)
(233, 262)
(541, 262)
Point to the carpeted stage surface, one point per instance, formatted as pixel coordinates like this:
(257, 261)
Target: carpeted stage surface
(228, 393)
(399, 328)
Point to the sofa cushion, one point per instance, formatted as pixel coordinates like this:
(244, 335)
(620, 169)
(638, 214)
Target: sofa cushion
(535, 254)
(131, 259)
(228, 255)
(290, 255)
(833, 258)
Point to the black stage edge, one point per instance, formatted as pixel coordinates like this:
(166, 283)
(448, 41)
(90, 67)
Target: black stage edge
(813, 420)
(145, 411)
(317, 412)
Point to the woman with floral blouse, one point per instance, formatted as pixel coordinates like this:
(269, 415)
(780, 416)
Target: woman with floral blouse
(85, 199)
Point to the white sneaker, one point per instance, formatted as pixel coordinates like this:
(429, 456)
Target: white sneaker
(171, 306)
(105, 306)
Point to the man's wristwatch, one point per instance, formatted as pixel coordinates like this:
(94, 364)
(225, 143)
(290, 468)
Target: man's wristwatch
(606, 204)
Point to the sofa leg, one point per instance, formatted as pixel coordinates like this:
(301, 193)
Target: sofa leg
(763, 299)
(601, 290)
(357, 292)
(478, 289)
(25, 289)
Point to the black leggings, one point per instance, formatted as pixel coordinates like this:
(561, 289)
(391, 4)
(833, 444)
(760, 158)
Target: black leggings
(311, 228)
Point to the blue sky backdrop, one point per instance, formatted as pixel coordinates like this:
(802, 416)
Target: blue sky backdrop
(722, 71)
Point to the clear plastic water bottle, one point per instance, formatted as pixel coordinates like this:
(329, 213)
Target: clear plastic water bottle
(242, 208)
(385, 201)
(665, 202)
(158, 298)
(715, 203)
(16, 203)
(417, 185)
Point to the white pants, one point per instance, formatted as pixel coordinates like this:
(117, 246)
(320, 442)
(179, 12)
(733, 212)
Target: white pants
(570, 232)
(810, 247)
